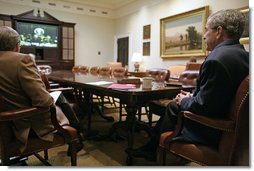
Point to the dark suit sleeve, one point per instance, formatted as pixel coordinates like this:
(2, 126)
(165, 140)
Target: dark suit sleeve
(213, 87)
(32, 84)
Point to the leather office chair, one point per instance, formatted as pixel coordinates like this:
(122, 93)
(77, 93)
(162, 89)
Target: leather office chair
(45, 69)
(188, 78)
(159, 76)
(94, 70)
(83, 69)
(114, 65)
(193, 66)
(176, 70)
(68, 91)
(119, 73)
(105, 72)
(75, 68)
(80, 69)
(9, 148)
(233, 148)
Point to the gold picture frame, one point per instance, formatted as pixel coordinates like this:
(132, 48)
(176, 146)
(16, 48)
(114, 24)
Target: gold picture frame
(146, 48)
(245, 36)
(147, 31)
(181, 35)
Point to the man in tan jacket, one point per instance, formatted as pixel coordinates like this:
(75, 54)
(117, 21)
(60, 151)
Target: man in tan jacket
(21, 86)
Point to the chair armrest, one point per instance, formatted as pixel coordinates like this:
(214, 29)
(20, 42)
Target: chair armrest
(59, 127)
(32, 111)
(188, 78)
(21, 113)
(166, 137)
(217, 123)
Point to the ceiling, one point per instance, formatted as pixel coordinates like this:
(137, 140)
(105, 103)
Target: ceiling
(100, 8)
(110, 4)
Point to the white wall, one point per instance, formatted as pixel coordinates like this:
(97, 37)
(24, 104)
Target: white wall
(95, 34)
(133, 24)
(92, 34)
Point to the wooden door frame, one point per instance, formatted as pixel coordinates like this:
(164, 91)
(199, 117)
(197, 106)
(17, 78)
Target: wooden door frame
(130, 46)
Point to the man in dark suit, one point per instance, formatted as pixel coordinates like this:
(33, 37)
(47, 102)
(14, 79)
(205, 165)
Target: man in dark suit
(220, 75)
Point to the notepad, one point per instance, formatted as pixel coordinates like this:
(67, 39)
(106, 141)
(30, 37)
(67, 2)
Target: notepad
(100, 82)
(122, 86)
(55, 95)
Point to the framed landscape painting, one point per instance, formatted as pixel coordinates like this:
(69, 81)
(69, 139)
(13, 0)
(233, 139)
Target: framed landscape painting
(245, 36)
(181, 35)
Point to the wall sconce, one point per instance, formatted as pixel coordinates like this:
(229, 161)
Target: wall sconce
(136, 58)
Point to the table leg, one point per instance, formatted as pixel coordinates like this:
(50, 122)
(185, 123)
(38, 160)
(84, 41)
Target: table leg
(86, 104)
(131, 120)
(132, 125)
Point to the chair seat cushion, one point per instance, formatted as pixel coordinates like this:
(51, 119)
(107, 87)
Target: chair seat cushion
(201, 154)
(36, 145)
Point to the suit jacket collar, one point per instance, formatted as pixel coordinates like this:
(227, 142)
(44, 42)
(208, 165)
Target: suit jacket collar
(228, 42)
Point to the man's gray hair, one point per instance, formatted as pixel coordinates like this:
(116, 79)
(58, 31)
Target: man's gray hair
(231, 20)
(8, 38)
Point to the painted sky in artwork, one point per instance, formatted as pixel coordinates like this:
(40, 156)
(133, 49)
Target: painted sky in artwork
(175, 28)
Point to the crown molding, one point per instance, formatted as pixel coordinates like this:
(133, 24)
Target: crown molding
(83, 9)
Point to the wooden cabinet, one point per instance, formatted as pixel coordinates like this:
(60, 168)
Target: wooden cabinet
(51, 54)
(61, 56)
(5, 20)
(42, 53)
(28, 50)
(68, 35)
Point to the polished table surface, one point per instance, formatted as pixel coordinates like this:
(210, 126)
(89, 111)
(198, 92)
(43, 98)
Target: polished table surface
(132, 97)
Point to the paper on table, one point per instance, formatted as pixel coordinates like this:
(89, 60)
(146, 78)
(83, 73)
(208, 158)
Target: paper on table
(122, 86)
(55, 95)
(100, 83)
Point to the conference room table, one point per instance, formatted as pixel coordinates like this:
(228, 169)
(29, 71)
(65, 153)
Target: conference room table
(132, 95)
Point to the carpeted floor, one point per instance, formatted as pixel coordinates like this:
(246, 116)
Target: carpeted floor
(107, 152)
